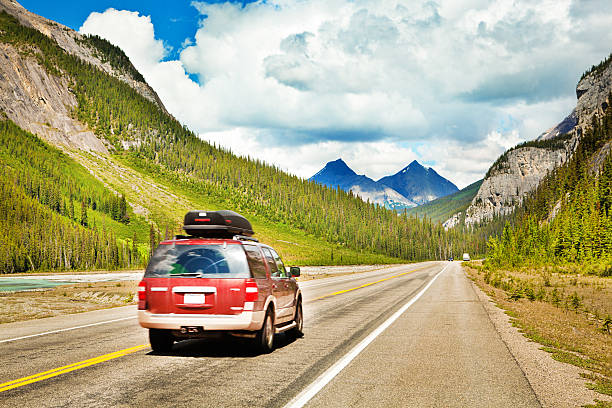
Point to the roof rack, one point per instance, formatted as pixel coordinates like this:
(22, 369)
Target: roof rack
(235, 237)
(244, 238)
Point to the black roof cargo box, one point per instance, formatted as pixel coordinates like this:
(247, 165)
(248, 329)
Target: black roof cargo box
(216, 224)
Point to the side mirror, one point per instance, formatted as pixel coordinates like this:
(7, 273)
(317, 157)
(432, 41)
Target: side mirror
(294, 271)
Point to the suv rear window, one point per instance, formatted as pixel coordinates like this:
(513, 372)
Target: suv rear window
(199, 261)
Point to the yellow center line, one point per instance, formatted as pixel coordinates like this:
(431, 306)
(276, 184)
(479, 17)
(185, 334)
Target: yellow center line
(20, 382)
(68, 368)
(368, 284)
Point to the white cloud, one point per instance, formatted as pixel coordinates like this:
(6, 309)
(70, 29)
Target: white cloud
(132, 32)
(466, 162)
(318, 79)
(375, 159)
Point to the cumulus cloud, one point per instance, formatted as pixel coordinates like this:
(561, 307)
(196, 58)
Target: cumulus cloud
(367, 78)
(375, 159)
(132, 32)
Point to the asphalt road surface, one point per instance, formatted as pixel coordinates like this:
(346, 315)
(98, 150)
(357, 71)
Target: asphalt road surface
(412, 336)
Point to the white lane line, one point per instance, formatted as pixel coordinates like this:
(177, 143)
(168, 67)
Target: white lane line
(67, 329)
(313, 389)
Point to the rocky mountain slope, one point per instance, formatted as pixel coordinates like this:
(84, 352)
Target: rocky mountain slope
(520, 170)
(420, 184)
(43, 103)
(338, 174)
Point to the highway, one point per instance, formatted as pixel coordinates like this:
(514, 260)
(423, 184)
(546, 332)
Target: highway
(409, 335)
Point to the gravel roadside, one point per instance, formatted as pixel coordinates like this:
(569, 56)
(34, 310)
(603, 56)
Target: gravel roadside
(556, 384)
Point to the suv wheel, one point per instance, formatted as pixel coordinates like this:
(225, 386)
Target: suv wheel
(161, 340)
(265, 336)
(298, 330)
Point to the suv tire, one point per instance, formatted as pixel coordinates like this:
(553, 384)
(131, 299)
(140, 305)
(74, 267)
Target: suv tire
(161, 340)
(265, 336)
(298, 330)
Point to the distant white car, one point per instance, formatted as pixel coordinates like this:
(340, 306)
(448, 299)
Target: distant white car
(466, 257)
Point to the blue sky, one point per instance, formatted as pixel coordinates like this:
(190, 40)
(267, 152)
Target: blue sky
(379, 83)
(174, 21)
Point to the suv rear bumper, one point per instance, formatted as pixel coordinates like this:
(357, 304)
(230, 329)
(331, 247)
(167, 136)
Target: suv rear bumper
(247, 320)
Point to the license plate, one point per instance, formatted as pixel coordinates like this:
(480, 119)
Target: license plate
(194, 298)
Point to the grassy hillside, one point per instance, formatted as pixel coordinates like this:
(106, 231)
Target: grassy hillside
(55, 215)
(441, 209)
(170, 170)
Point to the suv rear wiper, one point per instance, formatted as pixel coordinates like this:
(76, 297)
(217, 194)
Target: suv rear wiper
(196, 274)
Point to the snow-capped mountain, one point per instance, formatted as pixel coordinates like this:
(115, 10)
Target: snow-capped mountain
(419, 184)
(338, 174)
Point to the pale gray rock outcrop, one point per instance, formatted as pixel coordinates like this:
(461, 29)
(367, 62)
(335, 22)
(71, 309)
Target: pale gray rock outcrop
(41, 103)
(67, 39)
(509, 183)
(593, 92)
(452, 221)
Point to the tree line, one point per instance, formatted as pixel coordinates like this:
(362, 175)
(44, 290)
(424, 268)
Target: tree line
(568, 219)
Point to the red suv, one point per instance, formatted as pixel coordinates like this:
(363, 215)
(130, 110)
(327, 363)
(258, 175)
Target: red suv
(218, 280)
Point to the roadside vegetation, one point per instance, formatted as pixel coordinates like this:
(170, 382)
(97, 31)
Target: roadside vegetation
(568, 219)
(566, 310)
(551, 267)
(54, 215)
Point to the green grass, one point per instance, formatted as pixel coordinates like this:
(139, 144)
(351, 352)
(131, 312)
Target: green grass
(168, 200)
(441, 209)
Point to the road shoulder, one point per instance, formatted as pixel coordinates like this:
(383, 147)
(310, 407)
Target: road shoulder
(556, 384)
(442, 351)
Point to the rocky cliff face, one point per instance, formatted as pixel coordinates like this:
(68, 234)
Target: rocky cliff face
(593, 93)
(42, 103)
(523, 168)
(506, 187)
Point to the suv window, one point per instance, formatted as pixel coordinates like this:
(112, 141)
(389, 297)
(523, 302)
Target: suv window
(256, 262)
(201, 261)
(274, 270)
(279, 263)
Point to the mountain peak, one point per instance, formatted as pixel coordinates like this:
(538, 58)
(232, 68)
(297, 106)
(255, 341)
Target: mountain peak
(412, 167)
(338, 174)
(415, 163)
(332, 170)
(419, 183)
(338, 166)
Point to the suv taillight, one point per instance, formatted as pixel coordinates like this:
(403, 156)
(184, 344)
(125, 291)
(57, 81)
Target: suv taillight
(142, 295)
(251, 291)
